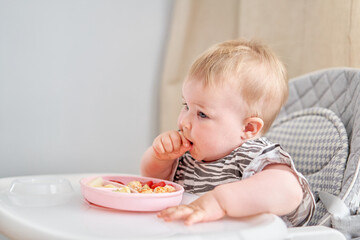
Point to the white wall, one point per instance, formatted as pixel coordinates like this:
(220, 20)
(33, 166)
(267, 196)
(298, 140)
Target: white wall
(78, 83)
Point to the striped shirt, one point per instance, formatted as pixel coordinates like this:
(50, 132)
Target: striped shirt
(251, 157)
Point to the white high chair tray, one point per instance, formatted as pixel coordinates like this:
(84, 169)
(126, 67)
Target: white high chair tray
(74, 218)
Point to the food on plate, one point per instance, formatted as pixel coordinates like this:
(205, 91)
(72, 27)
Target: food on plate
(124, 189)
(97, 182)
(147, 190)
(133, 186)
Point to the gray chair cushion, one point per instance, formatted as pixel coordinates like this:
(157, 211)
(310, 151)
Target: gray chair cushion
(317, 141)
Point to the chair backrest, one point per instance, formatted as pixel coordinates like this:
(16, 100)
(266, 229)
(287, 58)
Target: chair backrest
(338, 90)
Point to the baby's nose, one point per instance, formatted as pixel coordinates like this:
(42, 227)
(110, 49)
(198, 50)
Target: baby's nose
(185, 123)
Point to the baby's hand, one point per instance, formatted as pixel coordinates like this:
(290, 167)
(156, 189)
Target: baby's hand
(204, 209)
(170, 145)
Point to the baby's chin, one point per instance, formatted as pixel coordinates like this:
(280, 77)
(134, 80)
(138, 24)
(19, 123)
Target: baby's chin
(207, 158)
(200, 158)
(194, 155)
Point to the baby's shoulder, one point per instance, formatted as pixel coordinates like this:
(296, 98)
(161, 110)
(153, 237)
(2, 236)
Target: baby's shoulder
(256, 144)
(259, 146)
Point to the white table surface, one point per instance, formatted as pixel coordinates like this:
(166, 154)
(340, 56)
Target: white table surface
(77, 219)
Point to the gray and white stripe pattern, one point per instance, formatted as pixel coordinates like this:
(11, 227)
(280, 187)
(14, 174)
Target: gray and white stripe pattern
(200, 177)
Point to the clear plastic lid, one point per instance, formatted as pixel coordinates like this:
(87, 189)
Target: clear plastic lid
(40, 191)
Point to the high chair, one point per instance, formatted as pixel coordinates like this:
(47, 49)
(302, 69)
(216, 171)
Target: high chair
(320, 127)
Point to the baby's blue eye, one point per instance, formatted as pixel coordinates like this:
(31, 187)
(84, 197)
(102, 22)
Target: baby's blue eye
(202, 115)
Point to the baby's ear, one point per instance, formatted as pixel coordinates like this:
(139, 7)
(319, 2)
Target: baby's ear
(252, 129)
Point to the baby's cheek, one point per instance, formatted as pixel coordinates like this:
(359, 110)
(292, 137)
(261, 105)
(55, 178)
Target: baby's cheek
(211, 146)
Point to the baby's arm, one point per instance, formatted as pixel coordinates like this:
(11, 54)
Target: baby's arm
(158, 159)
(274, 190)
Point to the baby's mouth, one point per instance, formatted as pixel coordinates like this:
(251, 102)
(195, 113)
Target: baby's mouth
(191, 144)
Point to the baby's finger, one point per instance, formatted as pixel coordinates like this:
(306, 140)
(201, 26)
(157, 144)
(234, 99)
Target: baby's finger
(195, 217)
(175, 213)
(164, 213)
(167, 144)
(176, 140)
(184, 140)
(158, 147)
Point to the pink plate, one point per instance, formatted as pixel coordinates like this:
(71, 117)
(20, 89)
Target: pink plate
(130, 201)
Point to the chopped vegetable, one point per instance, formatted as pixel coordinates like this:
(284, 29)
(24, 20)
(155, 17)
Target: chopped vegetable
(159, 184)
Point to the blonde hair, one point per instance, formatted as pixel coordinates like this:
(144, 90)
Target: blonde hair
(254, 69)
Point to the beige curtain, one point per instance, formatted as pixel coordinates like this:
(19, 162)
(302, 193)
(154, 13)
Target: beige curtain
(307, 35)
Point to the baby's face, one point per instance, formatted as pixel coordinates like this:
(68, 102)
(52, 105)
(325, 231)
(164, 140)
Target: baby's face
(212, 119)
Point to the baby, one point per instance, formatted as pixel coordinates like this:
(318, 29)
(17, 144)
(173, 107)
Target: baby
(231, 95)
